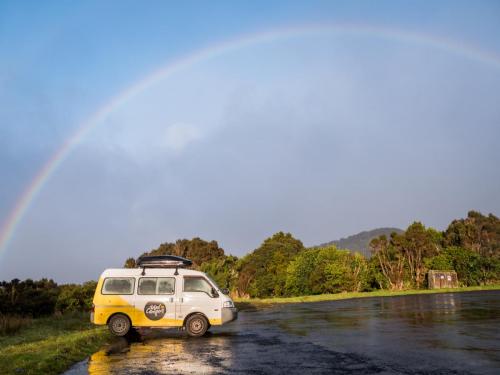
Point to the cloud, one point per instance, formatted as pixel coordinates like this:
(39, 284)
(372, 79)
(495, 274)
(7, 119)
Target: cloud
(178, 136)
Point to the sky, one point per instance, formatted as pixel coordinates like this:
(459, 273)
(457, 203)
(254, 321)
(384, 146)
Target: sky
(231, 121)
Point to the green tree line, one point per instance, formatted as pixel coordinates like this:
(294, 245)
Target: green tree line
(44, 297)
(282, 266)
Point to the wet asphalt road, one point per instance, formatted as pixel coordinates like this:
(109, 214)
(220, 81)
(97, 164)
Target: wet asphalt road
(440, 333)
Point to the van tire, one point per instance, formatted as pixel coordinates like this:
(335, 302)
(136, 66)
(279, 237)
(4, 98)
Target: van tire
(196, 325)
(119, 324)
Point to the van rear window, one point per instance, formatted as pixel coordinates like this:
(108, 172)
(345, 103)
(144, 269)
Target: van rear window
(118, 285)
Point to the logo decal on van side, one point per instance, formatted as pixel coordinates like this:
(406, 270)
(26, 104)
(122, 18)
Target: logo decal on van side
(155, 310)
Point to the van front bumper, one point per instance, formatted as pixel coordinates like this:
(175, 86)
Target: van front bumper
(229, 314)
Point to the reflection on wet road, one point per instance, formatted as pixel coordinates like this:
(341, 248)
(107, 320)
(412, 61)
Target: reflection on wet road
(440, 333)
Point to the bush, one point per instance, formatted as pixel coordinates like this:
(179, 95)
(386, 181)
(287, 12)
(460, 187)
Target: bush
(28, 298)
(442, 262)
(299, 271)
(326, 270)
(467, 264)
(74, 297)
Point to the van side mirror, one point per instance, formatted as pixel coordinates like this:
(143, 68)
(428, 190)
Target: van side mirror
(225, 291)
(214, 293)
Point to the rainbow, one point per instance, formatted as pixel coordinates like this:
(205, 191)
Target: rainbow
(50, 167)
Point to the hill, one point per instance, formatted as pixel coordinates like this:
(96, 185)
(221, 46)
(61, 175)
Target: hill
(359, 242)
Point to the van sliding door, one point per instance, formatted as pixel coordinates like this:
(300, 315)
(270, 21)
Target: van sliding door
(155, 302)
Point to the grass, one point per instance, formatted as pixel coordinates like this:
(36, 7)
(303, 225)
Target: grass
(50, 345)
(10, 324)
(245, 302)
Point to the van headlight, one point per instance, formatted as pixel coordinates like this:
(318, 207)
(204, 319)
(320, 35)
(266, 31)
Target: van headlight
(228, 304)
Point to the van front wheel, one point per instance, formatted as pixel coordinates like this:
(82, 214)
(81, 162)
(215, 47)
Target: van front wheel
(119, 325)
(196, 325)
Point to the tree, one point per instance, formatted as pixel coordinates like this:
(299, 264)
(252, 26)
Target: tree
(299, 271)
(476, 232)
(441, 262)
(336, 270)
(74, 297)
(28, 298)
(246, 269)
(197, 250)
(467, 263)
(223, 271)
(332, 271)
(263, 272)
(130, 263)
(391, 259)
(375, 277)
(326, 270)
(481, 234)
(359, 272)
(417, 243)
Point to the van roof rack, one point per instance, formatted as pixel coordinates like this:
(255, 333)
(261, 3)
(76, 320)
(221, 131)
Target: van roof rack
(162, 261)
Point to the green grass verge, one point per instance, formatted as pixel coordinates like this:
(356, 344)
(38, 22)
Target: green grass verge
(50, 345)
(243, 302)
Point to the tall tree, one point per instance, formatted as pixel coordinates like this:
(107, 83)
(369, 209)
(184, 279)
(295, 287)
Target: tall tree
(418, 243)
(391, 259)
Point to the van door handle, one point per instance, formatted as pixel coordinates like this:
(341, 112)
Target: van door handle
(171, 299)
(181, 299)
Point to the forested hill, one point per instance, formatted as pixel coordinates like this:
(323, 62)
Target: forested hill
(360, 242)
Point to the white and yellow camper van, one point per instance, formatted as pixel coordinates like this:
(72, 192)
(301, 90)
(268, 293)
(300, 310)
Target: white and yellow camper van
(161, 292)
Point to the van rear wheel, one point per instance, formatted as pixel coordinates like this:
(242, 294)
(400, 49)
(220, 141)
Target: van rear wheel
(196, 325)
(119, 325)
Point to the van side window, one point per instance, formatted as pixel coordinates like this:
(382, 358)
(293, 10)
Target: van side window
(156, 285)
(197, 284)
(118, 285)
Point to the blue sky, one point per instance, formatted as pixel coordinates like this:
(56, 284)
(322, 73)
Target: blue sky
(320, 135)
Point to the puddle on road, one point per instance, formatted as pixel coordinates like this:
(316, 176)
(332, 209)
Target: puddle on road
(163, 352)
